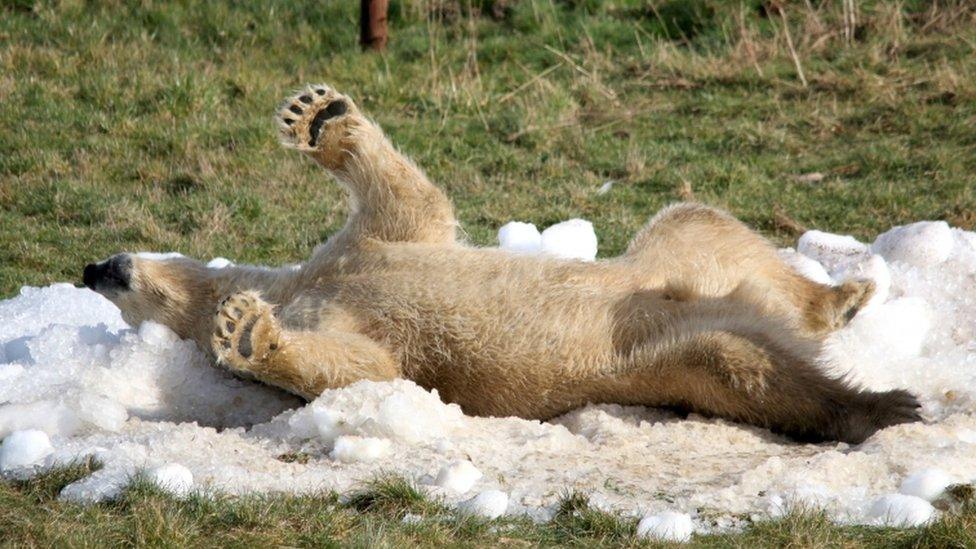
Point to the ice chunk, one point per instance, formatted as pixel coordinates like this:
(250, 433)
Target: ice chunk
(831, 250)
(667, 526)
(573, 239)
(157, 334)
(458, 476)
(219, 263)
(922, 243)
(927, 484)
(24, 448)
(398, 410)
(173, 478)
(50, 416)
(351, 449)
(489, 504)
(516, 236)
(901, 510)
(101, 413)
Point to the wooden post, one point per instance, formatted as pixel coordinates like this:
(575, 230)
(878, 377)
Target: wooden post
(372, 24)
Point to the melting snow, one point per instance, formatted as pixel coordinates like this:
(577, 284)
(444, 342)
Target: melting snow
(76, 381)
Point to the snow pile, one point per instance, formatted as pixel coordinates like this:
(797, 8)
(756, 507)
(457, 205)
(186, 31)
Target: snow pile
(76, 381)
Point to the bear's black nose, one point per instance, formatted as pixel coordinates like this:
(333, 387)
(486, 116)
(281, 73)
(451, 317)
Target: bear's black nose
(112, 274)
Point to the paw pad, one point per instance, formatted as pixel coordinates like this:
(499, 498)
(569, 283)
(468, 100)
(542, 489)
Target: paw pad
(303, 116)
(245, 332)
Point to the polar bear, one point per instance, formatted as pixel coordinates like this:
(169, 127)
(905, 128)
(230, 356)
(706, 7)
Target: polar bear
(699, 314)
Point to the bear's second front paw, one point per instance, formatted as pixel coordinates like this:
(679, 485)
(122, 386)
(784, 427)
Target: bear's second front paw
(245, 333)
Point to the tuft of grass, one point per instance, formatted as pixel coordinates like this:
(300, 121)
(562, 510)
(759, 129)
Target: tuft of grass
(392, 495)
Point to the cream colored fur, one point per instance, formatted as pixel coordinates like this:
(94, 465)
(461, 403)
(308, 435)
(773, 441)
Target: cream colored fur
(699, 313)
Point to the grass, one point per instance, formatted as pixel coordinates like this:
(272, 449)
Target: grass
(147, 126)
(389, 512)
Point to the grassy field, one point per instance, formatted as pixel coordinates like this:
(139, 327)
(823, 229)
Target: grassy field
(147, 126)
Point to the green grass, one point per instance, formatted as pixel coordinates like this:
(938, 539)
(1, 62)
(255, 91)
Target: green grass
(147, 126)
(375, 517)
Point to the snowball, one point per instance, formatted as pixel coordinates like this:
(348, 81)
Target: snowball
(219, 263)
(873, 268)
(458, 476)
(516, 236)
(24, 448)
(901, 511)
(173, 478)
(667, 526)
(350, 449)
(573, 239)
(922, 243)
(831, 250)
(489, 504)
(927, 484)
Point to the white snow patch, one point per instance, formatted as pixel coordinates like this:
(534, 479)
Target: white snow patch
(922, 243)
(667, 526)
(350, 449)
(137, 398)
(901, 510)
(24, 449)
(927, 484)
(831, 250)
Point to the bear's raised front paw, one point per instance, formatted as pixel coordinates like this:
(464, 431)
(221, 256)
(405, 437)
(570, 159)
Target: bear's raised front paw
(316, 121)
(245, 332)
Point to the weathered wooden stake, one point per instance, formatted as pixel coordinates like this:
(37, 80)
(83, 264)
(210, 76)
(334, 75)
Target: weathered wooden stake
(372, 24)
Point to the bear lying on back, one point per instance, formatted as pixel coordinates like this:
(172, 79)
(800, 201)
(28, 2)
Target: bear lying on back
(699, 314)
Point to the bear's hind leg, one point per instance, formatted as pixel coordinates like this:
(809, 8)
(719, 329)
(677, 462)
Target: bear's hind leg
(759, 382)
(714, 253)
(249, 341)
